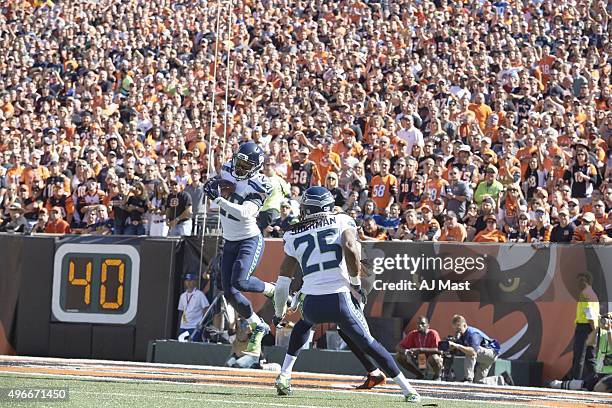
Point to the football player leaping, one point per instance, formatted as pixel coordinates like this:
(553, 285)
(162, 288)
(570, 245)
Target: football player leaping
(324, 245)
(244, 243)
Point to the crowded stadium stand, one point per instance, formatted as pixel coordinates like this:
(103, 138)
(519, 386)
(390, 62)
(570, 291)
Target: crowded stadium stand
(446, 127)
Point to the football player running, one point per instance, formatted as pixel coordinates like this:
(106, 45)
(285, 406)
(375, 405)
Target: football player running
(324, 245)
(239, 191)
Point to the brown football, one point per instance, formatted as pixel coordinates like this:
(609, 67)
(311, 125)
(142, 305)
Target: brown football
(226, 188)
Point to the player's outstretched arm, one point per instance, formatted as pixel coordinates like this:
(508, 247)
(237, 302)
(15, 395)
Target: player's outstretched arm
(352, 251)
(243, 211)
(281, 293)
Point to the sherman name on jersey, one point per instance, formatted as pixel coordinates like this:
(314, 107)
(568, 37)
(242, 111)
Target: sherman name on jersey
(317, 246)
(255, 189)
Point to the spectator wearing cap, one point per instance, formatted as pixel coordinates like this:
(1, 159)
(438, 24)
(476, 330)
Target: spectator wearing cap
(56, 223)
(438, 210)
(192, 305)
(573, 206)
(459, 193)
(16, 221)
(270, 211)
(349, 146)
(542, 229)
(452, 229)
(589, 230)
(490, 186)
(428, 229)
(41, 223)
(563, 232)
(463, 159)
(384, 187)
(490, 233)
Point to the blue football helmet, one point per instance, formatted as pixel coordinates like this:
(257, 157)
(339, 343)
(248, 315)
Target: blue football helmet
(316, 200)
(247, 161)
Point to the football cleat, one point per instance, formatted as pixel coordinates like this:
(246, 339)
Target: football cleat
(372, 381)
(283, 385)
(259, 331)
(412, 398)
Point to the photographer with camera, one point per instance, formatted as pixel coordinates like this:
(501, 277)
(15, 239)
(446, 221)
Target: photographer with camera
(601, 379)
(419, 350)
(480, 351)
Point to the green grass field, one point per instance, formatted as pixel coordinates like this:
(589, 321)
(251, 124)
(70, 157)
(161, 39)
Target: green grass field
(95, 393)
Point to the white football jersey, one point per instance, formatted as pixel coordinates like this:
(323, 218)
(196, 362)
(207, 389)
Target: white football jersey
(318, 248)
(255, 189)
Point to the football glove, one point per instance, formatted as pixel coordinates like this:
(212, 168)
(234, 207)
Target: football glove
(358, 291)
(211, 189)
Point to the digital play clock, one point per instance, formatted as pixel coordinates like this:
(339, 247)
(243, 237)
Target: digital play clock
(95, 283)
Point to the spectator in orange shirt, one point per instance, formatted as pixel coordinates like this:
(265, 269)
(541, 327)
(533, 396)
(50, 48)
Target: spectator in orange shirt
(490, 233)
(34, 171)
(56, 224)
(371, 231)
(452, 230)
(384, 187)
(325, 159)
(429, 228)
(481, 110)
(589, 230)
(348, 146)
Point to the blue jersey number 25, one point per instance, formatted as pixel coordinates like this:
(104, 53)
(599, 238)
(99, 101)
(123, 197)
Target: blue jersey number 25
(324, 247)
